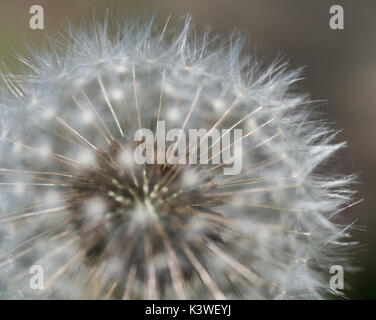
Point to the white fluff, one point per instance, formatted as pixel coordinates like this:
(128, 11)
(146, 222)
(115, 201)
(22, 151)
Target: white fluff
(286, 208)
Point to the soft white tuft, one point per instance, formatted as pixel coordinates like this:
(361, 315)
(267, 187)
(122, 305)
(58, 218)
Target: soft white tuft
(271, 231)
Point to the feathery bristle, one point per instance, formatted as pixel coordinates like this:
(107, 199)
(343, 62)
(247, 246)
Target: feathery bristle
(75, 202)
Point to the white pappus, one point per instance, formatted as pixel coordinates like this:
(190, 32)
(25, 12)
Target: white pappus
(101, 226)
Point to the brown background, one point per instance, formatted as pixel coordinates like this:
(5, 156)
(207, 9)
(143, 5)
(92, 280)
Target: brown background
(341, 68)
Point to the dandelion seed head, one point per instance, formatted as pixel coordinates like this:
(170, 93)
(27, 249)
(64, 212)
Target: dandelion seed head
(75, 201)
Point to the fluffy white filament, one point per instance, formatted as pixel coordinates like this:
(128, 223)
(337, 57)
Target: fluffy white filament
(99, 84)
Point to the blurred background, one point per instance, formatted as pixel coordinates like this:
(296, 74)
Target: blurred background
(340, 68)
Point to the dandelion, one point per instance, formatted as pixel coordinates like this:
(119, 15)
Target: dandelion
(74, 202)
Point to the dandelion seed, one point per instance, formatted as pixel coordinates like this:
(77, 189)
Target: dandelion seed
(74, 201)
